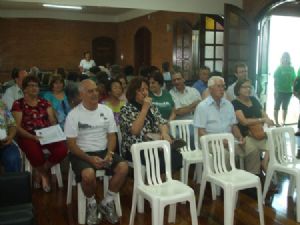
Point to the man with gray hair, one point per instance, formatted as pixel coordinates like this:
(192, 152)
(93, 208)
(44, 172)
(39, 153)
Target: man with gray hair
(216, 115)
(91, 137)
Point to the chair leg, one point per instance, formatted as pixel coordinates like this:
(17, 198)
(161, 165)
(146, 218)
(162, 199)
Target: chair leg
(269, 175)
(201, 195)
(58, 175)
(298, 198)
(198, 173)
(140, 198)
(81, 205)
(193, 210)
(260, 203)
(156, 217)
(228, 206)
(70, 185)
(186, 173)
(172, 213)
(291, 186)
(133, 207)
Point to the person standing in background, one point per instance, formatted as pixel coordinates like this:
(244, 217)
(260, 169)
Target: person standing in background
(86, 63)
(284, 78)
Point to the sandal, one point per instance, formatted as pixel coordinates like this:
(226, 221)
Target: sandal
(46, 184)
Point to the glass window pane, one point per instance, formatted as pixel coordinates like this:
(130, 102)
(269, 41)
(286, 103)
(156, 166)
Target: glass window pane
(209, 23)
(209, 51)
(219, 37)
(219, 26)
(209, 37)
(210, 64)
(219, 65)
(219, 52)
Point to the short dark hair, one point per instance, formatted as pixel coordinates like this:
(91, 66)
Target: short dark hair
(239, 65)
(238, 86)
(30, 78)
(157, 76)
(15, 73)
(54, 78)
(204, 68)
(134, 85)
(109, 84)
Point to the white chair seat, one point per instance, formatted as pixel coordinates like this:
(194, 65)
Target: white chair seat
(237, 178)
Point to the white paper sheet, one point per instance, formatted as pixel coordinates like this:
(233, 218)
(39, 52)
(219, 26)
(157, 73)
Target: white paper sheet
(50, 134)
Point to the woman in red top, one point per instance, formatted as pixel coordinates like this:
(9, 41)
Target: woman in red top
(32, 113)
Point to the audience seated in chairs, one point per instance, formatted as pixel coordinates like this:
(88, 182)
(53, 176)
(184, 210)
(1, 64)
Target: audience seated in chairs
(90, 129)
(31, 113)
(141, 121)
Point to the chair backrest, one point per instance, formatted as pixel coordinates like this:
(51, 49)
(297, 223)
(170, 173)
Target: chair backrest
(281, 144)
(149, 150)
(214, 152)
(182, 129)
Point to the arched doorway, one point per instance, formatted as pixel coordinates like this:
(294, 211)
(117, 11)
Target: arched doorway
(274, 38)
(103, 50)
(142, 48)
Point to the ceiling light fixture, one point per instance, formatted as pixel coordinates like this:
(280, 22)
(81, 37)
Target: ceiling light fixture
(63, 6)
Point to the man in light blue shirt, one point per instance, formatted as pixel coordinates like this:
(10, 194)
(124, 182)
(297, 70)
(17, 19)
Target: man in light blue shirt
(201, 84)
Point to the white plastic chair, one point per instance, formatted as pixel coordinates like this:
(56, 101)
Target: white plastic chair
(55, 169)
(159, 193)
(231, 181)
(81, 197)
(282, 144)
(181, 129)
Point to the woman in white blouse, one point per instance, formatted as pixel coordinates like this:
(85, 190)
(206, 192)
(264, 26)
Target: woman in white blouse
(86, 63)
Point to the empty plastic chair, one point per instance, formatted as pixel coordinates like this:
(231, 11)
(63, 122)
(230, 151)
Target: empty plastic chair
(231, 180)
(159, 193)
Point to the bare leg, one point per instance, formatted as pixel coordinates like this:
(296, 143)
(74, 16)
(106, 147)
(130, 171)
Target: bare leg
(276, 116)
(284, 113)
(88, 182)
(119, 177)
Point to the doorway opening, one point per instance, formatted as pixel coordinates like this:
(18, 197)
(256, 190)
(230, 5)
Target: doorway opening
(284, 37)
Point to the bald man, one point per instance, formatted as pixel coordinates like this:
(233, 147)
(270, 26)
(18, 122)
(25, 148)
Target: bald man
(91, 137)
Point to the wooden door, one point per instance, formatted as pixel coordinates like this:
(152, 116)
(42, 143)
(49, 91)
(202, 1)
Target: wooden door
(182, 48)
(239, 43)
(103, 51)
(142, 48)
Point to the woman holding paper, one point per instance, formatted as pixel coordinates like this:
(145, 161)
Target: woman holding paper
(32, 113)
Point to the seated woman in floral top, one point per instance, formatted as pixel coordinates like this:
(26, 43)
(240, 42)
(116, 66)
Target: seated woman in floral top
(140, 119)
(9, 153)
(32, 113)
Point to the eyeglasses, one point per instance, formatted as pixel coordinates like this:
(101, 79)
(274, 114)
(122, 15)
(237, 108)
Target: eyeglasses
(246, 86)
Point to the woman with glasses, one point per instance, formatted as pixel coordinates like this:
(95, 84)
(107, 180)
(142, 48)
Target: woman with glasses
(249, 112)
(32, 113)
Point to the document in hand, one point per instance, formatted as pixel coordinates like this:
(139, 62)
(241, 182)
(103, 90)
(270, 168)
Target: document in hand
(50, 134)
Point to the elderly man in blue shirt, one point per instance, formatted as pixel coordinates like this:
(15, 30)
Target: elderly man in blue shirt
(216, 115)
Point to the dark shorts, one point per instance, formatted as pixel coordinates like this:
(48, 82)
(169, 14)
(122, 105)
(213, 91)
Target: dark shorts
(78, 164)
(283, 99)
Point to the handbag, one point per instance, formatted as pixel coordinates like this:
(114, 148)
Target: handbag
(257, 131)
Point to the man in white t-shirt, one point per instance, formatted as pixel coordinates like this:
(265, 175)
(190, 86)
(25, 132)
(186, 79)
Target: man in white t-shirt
(86, 63)
(91, 137)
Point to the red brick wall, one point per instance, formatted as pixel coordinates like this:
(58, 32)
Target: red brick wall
(47, 43)
(162, 40)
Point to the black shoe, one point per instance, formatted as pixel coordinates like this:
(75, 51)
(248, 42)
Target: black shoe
(297, 133)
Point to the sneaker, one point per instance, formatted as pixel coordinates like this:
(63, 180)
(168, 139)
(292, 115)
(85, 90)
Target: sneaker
(109, 212)
(91, 214)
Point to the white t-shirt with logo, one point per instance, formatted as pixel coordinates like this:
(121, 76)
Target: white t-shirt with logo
(90, 128)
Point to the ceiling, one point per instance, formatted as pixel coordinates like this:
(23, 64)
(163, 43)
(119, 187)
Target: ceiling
(108, 11)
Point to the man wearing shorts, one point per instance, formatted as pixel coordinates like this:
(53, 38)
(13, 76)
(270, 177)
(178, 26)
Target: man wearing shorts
(91, 137)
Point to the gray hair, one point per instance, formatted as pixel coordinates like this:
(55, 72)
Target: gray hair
(81, 87)
(212, 81)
